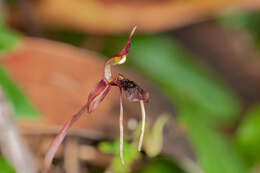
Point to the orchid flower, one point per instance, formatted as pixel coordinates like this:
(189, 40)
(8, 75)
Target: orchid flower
(132, 92)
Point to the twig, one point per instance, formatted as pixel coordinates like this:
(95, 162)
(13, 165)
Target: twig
(94, 156)
(71, 157)
(12, 145)
(36, 129)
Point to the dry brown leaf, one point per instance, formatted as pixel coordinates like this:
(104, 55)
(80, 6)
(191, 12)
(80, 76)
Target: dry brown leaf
(57, 78)
(113, 16)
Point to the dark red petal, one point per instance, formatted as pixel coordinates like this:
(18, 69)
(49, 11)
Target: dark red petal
(97, 94)
(99, 98)
(126, 49)
(97, 91)
(100, 86)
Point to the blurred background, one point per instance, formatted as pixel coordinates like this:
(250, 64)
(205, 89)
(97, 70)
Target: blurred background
(198, 59)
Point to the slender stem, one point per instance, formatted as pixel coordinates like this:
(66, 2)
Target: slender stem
(60, 137)
(121, 128)
(12, 144)
(143, 125)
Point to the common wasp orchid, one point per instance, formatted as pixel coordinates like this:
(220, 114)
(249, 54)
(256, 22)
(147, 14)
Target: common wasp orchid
(132, 91)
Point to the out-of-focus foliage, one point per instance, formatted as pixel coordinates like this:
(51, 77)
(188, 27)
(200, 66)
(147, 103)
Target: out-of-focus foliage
(21, 104)
(157, 164)
(130, 154)
(5, 167)
(160, 164)
(248, 136)
(9, 39)
(72, 37)
(248, 21)
(22, 107)
(153, 142)
(215, 153)
(201, 97)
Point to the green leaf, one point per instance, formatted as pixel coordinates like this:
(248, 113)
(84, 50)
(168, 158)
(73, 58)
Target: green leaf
(161, 164)
(5, 167)
(69, 36)
(130, 154)
(248, 136)
(21, 104)
(22, 107)
(246, 21)
(1, 21)
(181, 77)
(214, 152)
(8, 39)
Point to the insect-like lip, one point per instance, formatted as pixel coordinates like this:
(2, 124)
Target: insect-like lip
(133, 91)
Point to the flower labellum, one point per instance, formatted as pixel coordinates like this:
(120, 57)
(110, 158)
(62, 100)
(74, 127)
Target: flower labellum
(132, 91)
